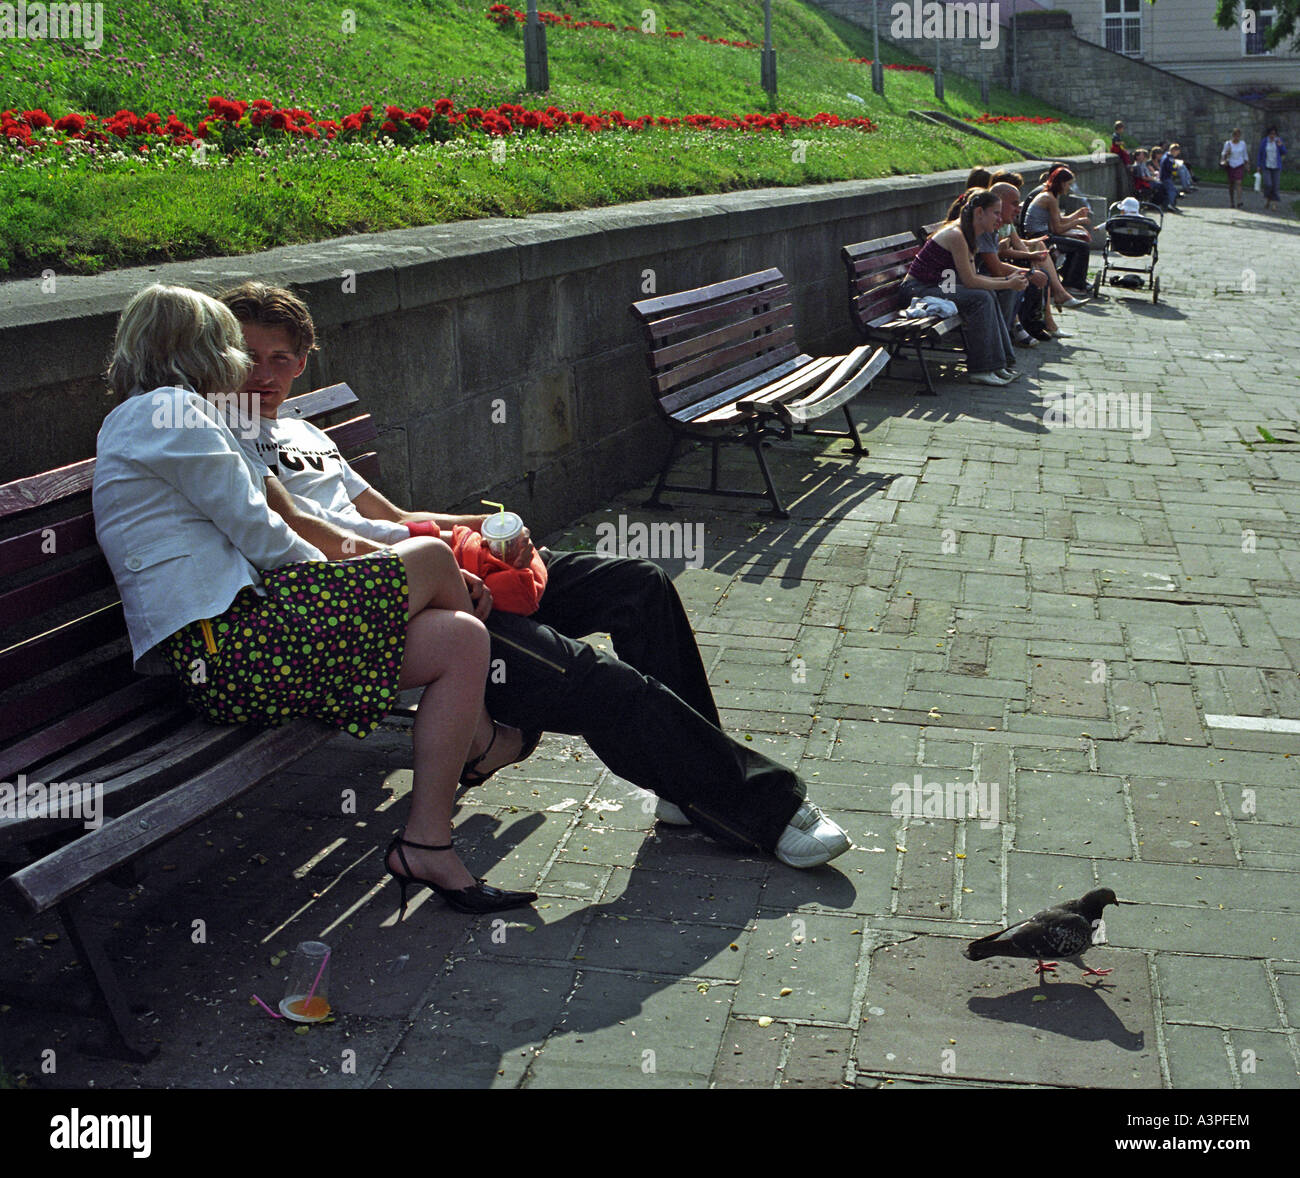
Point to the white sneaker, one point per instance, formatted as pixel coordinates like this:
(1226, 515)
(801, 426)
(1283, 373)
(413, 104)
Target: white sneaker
(1008, 374)
(811, 839)
(987, 378)
(669, 814)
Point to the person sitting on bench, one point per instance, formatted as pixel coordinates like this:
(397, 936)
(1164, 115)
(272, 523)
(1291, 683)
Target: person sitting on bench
(1036, 307)
(1044, 218)
(253, 620)
(945, 269)
(648, 713)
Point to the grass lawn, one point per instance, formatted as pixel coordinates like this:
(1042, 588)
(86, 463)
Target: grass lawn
(75, 210)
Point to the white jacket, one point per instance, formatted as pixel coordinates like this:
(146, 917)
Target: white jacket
(180, 515)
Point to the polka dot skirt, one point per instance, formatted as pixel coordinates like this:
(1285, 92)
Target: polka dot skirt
(326, 641)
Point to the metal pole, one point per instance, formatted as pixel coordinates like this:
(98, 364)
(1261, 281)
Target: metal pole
(938, 68)
(537, 74)
(877, 70)
(1015, 48)
(768, 70)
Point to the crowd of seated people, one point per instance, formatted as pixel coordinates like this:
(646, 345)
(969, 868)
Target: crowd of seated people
(1161, 175)
(1004, 286)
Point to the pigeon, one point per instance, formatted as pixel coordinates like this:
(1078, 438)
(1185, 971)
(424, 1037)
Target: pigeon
(1064, 931)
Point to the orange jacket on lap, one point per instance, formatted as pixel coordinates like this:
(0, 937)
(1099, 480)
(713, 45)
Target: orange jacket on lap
(517, 591)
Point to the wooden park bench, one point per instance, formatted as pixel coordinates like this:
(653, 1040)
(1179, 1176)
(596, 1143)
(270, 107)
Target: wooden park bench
(876, 270)
(725, 368)
(72, 711)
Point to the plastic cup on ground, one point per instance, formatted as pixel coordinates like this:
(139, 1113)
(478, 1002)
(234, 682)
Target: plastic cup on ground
(306, 995)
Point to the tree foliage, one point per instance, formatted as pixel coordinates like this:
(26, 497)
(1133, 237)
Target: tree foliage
(1230, 14)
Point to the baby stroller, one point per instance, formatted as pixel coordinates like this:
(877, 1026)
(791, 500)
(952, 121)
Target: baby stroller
(1132, 231)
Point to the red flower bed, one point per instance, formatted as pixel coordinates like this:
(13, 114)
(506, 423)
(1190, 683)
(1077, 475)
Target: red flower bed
(232, 124)
(987, 119)
(507, 17)
(914, 69)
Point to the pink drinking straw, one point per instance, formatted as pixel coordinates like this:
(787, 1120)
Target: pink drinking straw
(316, 983)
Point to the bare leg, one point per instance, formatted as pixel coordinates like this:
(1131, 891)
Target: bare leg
(433, 578)
(449, 653)
(1059, 293)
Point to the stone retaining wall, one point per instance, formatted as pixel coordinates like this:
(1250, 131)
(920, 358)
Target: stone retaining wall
(498, 357)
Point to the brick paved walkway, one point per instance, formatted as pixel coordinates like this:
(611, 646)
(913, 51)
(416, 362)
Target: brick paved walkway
(1076, 618)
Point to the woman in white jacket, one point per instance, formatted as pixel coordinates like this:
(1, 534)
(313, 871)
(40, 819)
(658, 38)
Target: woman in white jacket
(258, 626)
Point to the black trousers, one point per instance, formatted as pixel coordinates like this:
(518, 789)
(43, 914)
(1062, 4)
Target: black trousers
(1073, 269)
(1031, 307)
(648, 713)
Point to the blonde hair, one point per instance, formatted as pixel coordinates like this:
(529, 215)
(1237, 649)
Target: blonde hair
(170, 335)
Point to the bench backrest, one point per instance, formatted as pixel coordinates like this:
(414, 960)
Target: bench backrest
(705, 341)
(876, 270)
(65, 662)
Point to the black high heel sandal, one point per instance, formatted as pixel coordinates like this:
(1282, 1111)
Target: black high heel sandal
(470, 776)
(482, 897)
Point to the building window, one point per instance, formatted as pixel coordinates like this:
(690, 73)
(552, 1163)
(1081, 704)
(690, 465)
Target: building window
(1122, 24)
(1253, 43)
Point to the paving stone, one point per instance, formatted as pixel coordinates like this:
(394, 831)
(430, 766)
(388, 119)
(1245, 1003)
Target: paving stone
(819, 1058)
(1180, 822)
(804, 954)
(1239, 933)
(1066, 688)
(1264, 1061)
(1072, 814)
(634, 1028)
(1198, 1057)
(1215, 991)
(750, 1055)
(481, 1027)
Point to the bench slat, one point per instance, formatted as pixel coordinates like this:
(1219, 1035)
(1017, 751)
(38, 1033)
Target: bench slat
(51, 486)
(319, 401)
(348, 435)
(791, 385)
(663, 358)
(722, 366)
(648, 309)
(697, 414)
(95, 716)
(28, 658)
(63, 537)
(97, 853)
(189, 747)
(101, 751)
(736, 309)
(68, 584)
(840, 388)
(727, 382)
(876, 244)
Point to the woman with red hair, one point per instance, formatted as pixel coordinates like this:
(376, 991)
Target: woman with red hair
(1045, 219)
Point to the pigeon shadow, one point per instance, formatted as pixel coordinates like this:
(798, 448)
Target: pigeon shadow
(1073, 1009)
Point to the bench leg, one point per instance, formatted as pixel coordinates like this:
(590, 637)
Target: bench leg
(857, 447)
(850, 435)
(755, 440)
(925, 371)
(654, 501)
(124, 1040)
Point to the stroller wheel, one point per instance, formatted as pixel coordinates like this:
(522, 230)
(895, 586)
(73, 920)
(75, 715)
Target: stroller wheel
(1155, 291)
